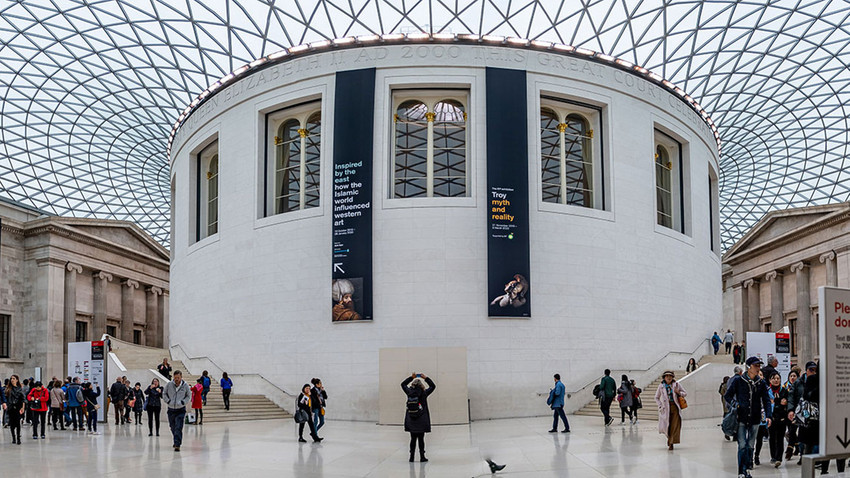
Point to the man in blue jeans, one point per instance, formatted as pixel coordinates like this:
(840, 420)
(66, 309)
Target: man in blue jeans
(176, 396)
(749, 393)
(556, 402)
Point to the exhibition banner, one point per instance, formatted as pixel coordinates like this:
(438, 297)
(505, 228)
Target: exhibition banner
(508, 259)
(351, 286)
(834, 369)
(86, 361)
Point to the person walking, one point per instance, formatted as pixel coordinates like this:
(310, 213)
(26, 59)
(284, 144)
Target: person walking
(669, 400)
(607, 391)
(117, 395)
(637, 403)
(164, 368)
(90, 396)
(206, 382)
(625, 395)
(748, 393)
(793, 447)
(176, 396)
(15, 402)
(317, 403)
(776, 433)
(138, 402)
(727, 340)
(556, 403)
(57, 404)
(715, 342)
(724, 385)
(417, 419)
(226, 387)
(74, 395)
(198, 401)
(129, 402)
(153, 405)
(304, 404)
(39, 401)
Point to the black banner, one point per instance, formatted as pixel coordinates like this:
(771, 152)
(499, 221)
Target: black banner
(508, 261)
(351, 288)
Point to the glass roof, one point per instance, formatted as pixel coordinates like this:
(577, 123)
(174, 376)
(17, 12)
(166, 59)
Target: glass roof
(91, 88)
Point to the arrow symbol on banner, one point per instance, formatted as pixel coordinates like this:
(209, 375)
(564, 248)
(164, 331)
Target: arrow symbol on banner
(845, 441)
(337, 268)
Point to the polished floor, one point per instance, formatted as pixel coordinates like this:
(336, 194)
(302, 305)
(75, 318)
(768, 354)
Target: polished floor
(356, 449)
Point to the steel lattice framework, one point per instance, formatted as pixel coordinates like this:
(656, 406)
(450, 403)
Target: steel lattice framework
(91, 88)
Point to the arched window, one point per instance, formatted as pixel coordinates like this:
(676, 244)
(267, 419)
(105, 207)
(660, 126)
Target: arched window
(663, 186)
(206, 191)
(568, 161)
(670, 181)
(430, 148)
(295, 174)
(212, 196)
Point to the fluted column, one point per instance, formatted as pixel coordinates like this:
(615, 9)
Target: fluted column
(842, 264)
(100, 279)
(162, 340)
(804, 313)
(152, 317)
(742, 308)
(754, 300)
(777, 317)
(70, 301)
(127, 309)
(831, 269)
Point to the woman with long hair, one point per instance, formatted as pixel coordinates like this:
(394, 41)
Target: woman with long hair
(153, 405)
(692, 366)
(305, 405)
(57, 404)
(417, 418)
(15, 402)
(669, 400)
(625, 395)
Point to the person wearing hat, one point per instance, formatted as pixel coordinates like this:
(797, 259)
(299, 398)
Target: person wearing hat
(750, 393)
(668, 398)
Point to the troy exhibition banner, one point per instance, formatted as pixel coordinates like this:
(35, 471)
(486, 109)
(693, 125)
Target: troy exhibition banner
(508, 261)
(351, 287)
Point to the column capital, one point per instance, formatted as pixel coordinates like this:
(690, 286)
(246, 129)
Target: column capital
(827, 256)
(102, 276)
(770, 276)
(74, 267)
(130, 283)
(153, 290)
(799, 266)
(749, 283)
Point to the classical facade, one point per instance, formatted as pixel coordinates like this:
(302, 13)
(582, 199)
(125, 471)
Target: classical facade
(71, 279)
(771, 276)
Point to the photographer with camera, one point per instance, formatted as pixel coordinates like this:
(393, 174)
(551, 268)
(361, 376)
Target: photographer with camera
(417, 418)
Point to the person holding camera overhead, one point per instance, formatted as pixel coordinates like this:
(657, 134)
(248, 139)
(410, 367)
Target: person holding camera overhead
(417, 418)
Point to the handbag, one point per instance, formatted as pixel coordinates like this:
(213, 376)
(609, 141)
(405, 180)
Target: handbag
(301, 416)
(806, 413)
(730, 421)
(130, 403)
(683, 404)
(35, 404)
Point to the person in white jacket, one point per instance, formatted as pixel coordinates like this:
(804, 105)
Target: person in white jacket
(176, 396)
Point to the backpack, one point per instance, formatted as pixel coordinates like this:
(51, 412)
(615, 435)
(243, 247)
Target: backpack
(414, 408)
(80, 398)
(730, 421)
(596, 390)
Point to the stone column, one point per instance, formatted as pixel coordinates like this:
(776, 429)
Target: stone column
(754, 300)
(777, 317)
(44, 343)
(163, 339)
(152, 317)
(127, 309)
(70, 315)
(100, 279)
(831, 269)
(842, 265)
(804, 313)
(742, 307)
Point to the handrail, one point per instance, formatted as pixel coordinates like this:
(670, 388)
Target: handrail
(596, 380)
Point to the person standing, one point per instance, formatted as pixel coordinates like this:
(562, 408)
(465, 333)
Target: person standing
(39, 400)
(317, 403)
(776, 433)
(153, 405)
(15, 402)
(90, 396)
(206, 382)
(768, 369)
(226, 387)
(727, 340)
(176, 396)
(304, 405)
(417, 419)
(749, 394)
(164, 368)
(117, 394)
(736, 353)
(57, 404)
(607, 391)
(129, 401)
(138, 402)
(669, 400)
(556, 403)
(198, 401)
(793, 444)
(74, 395)
(692, 366)
(625, 395)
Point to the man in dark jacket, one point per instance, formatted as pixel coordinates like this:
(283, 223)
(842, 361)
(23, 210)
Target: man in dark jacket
(607, 391)
(117, 394)
(768, 369)
(749, 393)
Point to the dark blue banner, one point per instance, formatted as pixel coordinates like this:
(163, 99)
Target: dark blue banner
(354, 107)
(508, 261)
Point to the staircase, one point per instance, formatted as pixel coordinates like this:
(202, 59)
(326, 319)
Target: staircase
(242, 407)
(647, 397)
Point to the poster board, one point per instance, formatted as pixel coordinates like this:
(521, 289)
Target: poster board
(769, 344)
(834, 370)
(86, 361)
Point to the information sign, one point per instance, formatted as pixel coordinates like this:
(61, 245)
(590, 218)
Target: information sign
(834, 370)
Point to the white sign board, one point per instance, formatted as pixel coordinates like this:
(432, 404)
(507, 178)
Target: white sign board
(85, 360)
(834, 369)
(769, 344)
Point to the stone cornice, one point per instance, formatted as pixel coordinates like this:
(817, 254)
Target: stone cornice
(53, 261)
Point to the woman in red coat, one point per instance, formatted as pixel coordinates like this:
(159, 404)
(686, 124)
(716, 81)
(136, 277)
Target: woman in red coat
(198, 402)
(39, 399)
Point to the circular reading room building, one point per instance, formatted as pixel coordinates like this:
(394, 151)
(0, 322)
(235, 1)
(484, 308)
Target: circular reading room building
(485, 211)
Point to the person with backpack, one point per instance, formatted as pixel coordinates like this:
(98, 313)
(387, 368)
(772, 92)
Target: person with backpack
(556, 403)
(90, 402)
(715, 342)
(606, 392)
(39, 401)
(206, 382)
(117, 394)
(74, 394)
(15, 402)
(417, 417)
(748, 395)
(305, 406)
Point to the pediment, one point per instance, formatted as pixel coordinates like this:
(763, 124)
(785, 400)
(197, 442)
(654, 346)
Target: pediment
(121, 233)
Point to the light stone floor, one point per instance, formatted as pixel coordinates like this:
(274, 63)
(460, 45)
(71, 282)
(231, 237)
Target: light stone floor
(357, 449)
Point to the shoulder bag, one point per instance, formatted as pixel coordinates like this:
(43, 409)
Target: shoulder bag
(683, 404)
(301, 416)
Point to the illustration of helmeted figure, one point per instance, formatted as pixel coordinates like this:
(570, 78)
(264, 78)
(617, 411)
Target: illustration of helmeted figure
(343, 309)
(516, 293)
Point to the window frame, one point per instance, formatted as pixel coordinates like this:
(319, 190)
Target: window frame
(675, 149)
(430, 97)
(81, 324)
(5, 336)
(202, 158)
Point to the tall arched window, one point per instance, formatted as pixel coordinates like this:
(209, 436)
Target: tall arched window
(569, 163)
(295, 173)
(663, 186)
(670, 183)
(212, 196)
(206, 191)
(430, 148)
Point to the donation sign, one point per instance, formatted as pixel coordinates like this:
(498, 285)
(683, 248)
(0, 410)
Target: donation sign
(834, 369)
(86, 360)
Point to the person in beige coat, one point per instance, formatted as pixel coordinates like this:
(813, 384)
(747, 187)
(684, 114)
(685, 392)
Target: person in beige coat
(670, 408)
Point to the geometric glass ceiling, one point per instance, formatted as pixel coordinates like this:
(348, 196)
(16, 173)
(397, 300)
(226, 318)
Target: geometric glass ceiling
(90, 90)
